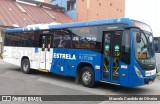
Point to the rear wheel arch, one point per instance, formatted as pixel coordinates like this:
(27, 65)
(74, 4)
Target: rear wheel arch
(81, 65)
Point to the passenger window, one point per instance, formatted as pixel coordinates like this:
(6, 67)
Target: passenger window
(62, 38)
(85, 38)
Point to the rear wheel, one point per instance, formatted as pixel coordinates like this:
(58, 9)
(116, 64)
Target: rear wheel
(25, 66)
(87, 77)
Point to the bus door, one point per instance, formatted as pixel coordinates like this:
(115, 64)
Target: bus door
(46, 52)
(111, 56)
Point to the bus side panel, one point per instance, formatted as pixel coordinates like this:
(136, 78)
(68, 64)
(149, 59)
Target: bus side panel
(124, 74)
(34, 56)
(65, 61)
(14, 55)
(11, 56)
(134, 80)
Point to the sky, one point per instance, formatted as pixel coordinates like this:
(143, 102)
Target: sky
(147, 11)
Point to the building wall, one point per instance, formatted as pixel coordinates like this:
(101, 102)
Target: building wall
(72, 14)
(46, 1)
(100, 9)
(63, 3)
(94, 9)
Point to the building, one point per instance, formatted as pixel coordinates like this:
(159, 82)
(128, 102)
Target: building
(100, 9)
(21, 13)
(69, 5)
(84, 10)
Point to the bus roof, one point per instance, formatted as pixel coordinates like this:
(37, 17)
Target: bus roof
(70, 25)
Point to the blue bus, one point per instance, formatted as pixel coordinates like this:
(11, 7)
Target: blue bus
(118, 51)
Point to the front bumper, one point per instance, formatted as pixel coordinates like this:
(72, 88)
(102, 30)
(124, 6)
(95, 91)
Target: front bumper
(149, 80)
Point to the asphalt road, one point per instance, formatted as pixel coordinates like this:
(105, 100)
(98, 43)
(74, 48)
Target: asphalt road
(14, 82)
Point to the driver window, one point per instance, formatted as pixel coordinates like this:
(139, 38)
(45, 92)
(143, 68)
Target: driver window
(125, 51)
(141, 50)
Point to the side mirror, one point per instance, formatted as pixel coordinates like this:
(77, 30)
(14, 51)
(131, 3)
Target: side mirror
(138, 37)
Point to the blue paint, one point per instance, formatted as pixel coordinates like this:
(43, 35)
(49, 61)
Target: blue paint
(70, 66)
(36, 50)
(75, 24)
(72, 14)
(63, 3)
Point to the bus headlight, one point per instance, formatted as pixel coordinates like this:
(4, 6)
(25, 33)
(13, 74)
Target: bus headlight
(138, 72)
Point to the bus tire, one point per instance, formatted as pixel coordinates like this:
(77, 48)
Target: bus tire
(25, 66)
(87, 77)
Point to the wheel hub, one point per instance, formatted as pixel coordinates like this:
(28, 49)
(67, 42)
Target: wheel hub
(86, 77)
(25, 66)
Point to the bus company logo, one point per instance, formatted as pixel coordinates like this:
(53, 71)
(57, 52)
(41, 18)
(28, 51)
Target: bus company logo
(64, 56)
(6, 98)
(18, 52)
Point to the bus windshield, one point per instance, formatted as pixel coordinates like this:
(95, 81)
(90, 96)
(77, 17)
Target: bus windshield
(144, 50)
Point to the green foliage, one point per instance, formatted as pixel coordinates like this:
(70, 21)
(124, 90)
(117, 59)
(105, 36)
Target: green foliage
(158, 77)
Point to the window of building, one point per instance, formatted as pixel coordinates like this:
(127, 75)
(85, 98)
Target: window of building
(71, 5)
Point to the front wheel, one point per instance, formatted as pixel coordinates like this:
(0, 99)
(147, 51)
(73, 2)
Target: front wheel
(25, 66)
(87, 77)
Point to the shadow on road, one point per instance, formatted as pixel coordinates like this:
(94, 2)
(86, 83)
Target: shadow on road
(122, 90)
(99, 86)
